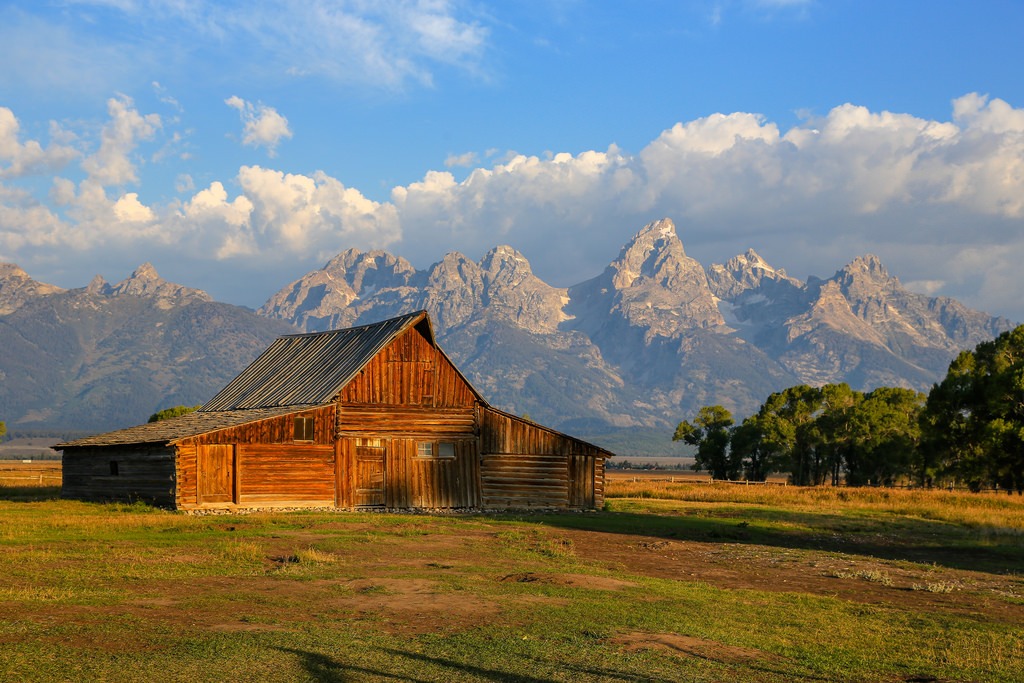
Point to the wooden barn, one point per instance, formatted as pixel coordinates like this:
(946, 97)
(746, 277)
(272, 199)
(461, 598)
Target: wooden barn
(367, 417)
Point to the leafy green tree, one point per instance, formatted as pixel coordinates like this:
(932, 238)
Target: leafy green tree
(176, 411)
(787, 420)
(884, 433)
(832, 434)
(974, 418)
(747, 443)
(710, 433)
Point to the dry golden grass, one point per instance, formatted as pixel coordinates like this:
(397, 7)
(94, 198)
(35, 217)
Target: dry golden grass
(33, 474)
(997, 513)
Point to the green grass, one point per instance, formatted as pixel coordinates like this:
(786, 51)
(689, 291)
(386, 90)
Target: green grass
(128, 593)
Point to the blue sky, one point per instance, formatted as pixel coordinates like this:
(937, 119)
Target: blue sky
(238, 145)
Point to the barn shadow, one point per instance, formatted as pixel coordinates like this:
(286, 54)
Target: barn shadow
(325, 669)
(912, 540)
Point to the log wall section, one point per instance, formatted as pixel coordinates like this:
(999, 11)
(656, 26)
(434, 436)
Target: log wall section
(524, 465)
(142, 473)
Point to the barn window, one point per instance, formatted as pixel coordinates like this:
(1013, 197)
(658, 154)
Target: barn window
(435, 449)
(303, 429)
(113, 468)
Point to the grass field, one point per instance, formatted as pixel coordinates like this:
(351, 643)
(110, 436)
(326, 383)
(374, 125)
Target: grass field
(673, 582)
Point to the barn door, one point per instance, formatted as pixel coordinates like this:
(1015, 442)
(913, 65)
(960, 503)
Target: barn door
(581, 482)
(369, 473)
(215, 464)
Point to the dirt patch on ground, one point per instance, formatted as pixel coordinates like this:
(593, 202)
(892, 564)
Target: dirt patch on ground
(757, 567)
(414, 606)
(689, 646)
(396, 605)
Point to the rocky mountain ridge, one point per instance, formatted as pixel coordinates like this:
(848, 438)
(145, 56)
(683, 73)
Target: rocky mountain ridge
(657, 333)
(642, 345)
(106, 356)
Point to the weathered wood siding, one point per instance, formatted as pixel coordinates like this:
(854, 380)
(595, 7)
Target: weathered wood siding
(275, 430)
(524, 465)
(187, 484)
(409, 481)
(404, 421)
(285, 475)
(409, 393)
(259, 464)
(126, 473)
(432, 482)
(409, 371)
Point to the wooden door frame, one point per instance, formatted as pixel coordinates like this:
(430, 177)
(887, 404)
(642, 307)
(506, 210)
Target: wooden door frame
(386, 444)
(233, 491)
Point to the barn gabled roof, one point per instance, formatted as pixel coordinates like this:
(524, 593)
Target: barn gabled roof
(312, 369)
(182, 427)
(297, 372)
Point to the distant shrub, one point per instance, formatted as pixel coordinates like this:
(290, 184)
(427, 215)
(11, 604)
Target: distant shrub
(176, 411)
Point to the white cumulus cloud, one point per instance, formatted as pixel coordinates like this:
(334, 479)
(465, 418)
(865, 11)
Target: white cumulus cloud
(263, 126)
(112, 163)
(941, 202)
(923, 194)
(280, 213)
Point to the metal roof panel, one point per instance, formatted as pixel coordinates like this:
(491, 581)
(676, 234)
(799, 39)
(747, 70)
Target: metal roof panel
(308, 369)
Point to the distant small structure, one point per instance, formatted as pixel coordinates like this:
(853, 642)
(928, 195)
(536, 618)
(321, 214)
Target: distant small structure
(370, 417)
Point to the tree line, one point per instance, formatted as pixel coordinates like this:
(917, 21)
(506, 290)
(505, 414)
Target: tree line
(968, 430)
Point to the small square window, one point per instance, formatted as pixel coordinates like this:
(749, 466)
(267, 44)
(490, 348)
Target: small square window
(425, 449)
(445, 449)
(303, 429)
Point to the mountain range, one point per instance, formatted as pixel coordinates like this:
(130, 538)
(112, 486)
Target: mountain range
(644, 344)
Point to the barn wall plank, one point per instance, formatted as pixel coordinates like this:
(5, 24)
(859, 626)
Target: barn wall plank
(289, 472)
(409, 371)
(275, 430)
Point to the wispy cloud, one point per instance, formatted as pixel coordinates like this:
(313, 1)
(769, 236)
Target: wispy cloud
(387, 44)
(464, 160)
